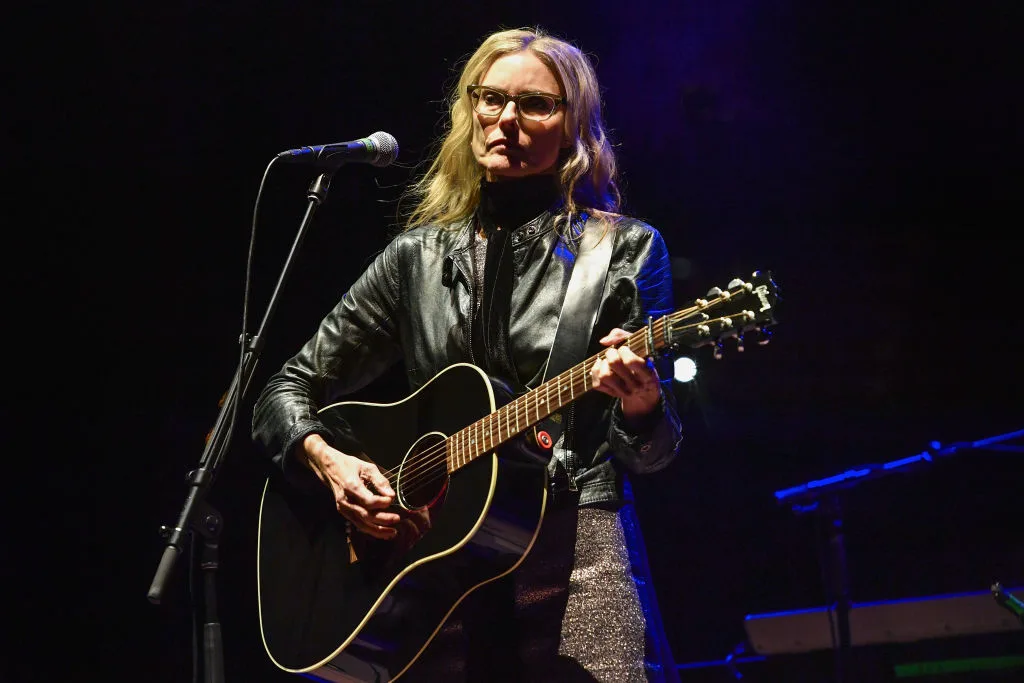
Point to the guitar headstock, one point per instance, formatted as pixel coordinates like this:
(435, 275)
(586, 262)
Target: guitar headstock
(745, 311)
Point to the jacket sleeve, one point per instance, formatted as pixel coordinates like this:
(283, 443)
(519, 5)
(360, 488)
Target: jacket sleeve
(653, 444)
(355, 343)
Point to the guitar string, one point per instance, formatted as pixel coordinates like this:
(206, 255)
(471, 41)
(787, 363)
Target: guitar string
(489, 427)
(489, 430)
(428, 459)
(425, 472)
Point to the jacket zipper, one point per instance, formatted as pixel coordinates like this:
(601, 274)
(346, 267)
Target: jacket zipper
(570, 447)
(473, 304)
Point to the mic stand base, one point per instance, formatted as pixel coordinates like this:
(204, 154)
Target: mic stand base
(213, 646)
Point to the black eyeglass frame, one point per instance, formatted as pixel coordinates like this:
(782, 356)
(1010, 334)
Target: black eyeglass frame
(558, 99)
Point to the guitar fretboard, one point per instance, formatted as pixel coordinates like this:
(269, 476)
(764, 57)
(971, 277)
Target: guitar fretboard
(486, 434)
(691, 326)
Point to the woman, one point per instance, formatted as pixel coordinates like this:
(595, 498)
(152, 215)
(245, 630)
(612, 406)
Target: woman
(479, 276)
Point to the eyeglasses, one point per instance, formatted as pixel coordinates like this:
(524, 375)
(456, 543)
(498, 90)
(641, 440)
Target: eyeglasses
(533, 106)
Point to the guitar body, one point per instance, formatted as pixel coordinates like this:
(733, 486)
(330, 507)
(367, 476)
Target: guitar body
(343, 609)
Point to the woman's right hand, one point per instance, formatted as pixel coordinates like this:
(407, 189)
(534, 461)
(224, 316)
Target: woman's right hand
(351, 479)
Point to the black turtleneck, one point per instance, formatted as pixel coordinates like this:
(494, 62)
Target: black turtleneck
(511, 203)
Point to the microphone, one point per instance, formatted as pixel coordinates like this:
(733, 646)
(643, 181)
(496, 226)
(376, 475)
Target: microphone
(379, 149)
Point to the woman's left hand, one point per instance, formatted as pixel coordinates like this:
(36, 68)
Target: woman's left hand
(626, 376)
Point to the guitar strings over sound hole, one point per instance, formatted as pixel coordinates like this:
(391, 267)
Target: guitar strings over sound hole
(423, 476)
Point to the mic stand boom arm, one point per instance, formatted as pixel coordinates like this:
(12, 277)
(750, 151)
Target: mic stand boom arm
(201, 479)
(804, 497)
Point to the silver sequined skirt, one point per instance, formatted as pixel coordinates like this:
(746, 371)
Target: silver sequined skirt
(580, 607)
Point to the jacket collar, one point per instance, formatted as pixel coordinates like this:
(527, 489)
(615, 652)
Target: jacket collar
(459, 255)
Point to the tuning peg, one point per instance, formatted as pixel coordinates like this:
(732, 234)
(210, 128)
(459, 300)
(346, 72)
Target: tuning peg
(717, 351)
(759, 335)
(714, 292)
(735, 282)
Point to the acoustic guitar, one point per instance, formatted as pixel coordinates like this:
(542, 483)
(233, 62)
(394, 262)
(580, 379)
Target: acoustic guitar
(341, 606)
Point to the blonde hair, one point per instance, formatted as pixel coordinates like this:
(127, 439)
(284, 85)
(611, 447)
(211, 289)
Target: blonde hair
(449, 190)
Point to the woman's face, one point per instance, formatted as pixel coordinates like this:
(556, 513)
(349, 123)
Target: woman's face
(508, 145)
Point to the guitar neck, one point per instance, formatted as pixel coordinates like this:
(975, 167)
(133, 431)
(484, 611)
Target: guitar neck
(743, 306)
(512, 419)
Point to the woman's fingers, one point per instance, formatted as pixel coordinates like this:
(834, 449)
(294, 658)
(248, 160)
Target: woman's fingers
(621, 373)
(616, 336)
(376, 523)
(363, 495)
(378, 482)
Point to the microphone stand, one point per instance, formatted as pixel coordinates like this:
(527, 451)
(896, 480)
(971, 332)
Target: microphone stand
(838, 585)
(213, 657)
(201, 479)
(822, 496)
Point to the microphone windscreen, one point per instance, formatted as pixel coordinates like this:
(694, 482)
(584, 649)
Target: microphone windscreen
(385, 148)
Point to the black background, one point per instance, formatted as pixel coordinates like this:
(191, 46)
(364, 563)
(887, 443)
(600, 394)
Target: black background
(867, 153)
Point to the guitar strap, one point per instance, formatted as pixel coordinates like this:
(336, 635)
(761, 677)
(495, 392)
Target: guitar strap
(581, 305)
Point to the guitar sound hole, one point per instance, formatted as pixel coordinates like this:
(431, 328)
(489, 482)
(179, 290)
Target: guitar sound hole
(423, 475)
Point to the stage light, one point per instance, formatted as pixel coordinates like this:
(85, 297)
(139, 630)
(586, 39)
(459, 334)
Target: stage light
(684, 369)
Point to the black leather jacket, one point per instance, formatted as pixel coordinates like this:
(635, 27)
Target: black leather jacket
(414, 304)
